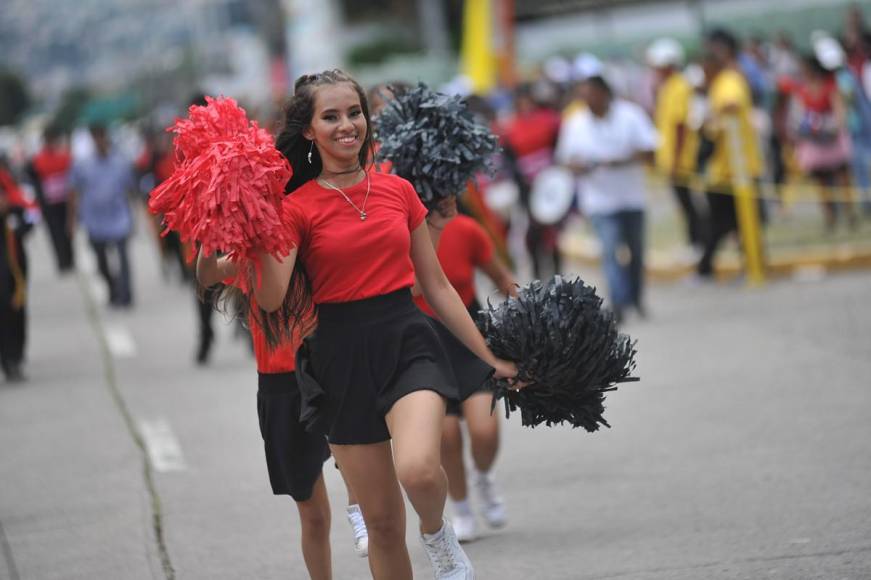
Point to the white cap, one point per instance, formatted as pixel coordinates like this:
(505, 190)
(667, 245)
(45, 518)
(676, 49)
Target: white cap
(665, 52)
(586, 65)
(829, 52)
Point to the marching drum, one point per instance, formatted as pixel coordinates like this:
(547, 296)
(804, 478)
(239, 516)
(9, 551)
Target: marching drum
(552, 194)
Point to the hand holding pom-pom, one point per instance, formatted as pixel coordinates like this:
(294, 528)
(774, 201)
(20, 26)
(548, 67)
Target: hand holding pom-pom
(568, 350)
(226, 192)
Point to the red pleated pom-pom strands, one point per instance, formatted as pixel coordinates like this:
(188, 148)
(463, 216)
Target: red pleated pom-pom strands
(226, 192)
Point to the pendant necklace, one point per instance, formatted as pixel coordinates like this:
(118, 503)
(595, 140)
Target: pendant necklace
(360, 210)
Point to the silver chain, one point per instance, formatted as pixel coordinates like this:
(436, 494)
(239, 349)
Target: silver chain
(361, 211)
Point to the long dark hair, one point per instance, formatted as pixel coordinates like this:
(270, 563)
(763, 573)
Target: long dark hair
(298, 314)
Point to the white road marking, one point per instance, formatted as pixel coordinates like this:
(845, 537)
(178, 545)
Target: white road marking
(163, 447)
(120, 341)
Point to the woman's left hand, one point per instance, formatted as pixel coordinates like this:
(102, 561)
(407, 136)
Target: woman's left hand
(505, 369)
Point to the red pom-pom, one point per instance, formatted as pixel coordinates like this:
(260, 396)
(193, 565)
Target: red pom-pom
(228, 185)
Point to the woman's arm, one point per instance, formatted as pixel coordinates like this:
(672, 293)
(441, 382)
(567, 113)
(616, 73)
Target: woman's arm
(446, 303)
(274, 280)
(212, 269)
(501, 276)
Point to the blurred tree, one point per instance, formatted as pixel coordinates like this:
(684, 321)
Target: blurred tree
(379, 50)
(71, 105)
(14, 97)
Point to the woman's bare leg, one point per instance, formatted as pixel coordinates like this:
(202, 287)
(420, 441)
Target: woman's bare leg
(314, 517)
(483, 430)
(415, 423)
(452, 457)
(369, 472)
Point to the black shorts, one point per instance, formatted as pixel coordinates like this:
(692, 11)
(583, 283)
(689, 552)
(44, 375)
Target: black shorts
(294, 457)
(366, 355)
(470, 372)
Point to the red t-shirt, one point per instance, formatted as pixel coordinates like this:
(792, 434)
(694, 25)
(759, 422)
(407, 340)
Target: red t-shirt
(52, 167)
(348, 258)
(463, 246)
(821, 101)
(532, 137)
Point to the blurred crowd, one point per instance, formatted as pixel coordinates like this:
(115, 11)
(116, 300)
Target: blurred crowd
(580, 137)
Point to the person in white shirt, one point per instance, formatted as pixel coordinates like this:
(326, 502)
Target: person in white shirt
(606, 145)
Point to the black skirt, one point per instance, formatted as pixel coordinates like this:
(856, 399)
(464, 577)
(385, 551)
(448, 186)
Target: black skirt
(294, 456)
(471, 374)
(364, 356)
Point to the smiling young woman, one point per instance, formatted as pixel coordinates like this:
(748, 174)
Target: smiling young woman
(374, 370)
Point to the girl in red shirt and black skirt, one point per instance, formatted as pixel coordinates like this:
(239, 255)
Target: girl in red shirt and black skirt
(463, 247)
(374, 370)
(294, 456)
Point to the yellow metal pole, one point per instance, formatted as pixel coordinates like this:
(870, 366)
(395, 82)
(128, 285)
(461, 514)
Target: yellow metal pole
(477, 59)
(745, 206)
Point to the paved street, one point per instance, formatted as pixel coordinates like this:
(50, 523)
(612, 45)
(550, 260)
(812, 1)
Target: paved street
(742, 454)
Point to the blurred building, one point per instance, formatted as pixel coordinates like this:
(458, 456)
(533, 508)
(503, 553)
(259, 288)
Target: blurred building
(110, 45)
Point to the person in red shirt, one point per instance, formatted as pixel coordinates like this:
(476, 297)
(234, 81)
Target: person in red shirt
(822, 142)
(530, 139)
(294, 456)
(463, 247)
(50, 175)
(374, 370)
(14, 225)
(155, 165)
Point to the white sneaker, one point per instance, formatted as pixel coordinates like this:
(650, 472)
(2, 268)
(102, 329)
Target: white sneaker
(449, 561)
(465, 527)
(492, 506)
(361, 535)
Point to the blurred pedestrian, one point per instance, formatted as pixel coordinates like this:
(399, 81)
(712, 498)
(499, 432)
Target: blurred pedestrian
(463, 248)
(822, 142)
(785, 69)
(294, 456)
(678, 145)
(49, 171)
(155, 165)
(101, 185)
(856, 41)
(530, 134)
(14, 225)
(607, 145)
(857, 109)
(730, 113)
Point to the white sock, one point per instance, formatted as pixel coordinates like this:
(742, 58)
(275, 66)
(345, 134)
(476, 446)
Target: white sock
(462, 507)
(438, 534)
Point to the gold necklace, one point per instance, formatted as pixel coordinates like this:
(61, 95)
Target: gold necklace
(360, 210)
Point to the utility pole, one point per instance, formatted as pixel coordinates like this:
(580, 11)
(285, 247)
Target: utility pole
(431, 21)
(697, 7)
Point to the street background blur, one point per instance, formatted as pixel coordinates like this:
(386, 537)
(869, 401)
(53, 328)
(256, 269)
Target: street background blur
(128, 435)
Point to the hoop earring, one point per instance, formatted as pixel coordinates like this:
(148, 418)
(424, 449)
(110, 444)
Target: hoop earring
(310, 151)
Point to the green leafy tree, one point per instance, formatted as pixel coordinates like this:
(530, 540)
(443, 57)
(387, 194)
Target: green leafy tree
(71, 105)
(14, 97)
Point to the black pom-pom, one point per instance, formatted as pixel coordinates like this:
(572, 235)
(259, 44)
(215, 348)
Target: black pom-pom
(434, 142)
(567, 348)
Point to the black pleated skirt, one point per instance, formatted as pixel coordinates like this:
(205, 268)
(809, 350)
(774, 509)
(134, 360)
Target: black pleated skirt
(471, 374)
(364, 356)
(294, 456)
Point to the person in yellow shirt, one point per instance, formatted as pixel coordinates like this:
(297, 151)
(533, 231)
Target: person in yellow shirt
(678, 145)
(730, 106)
